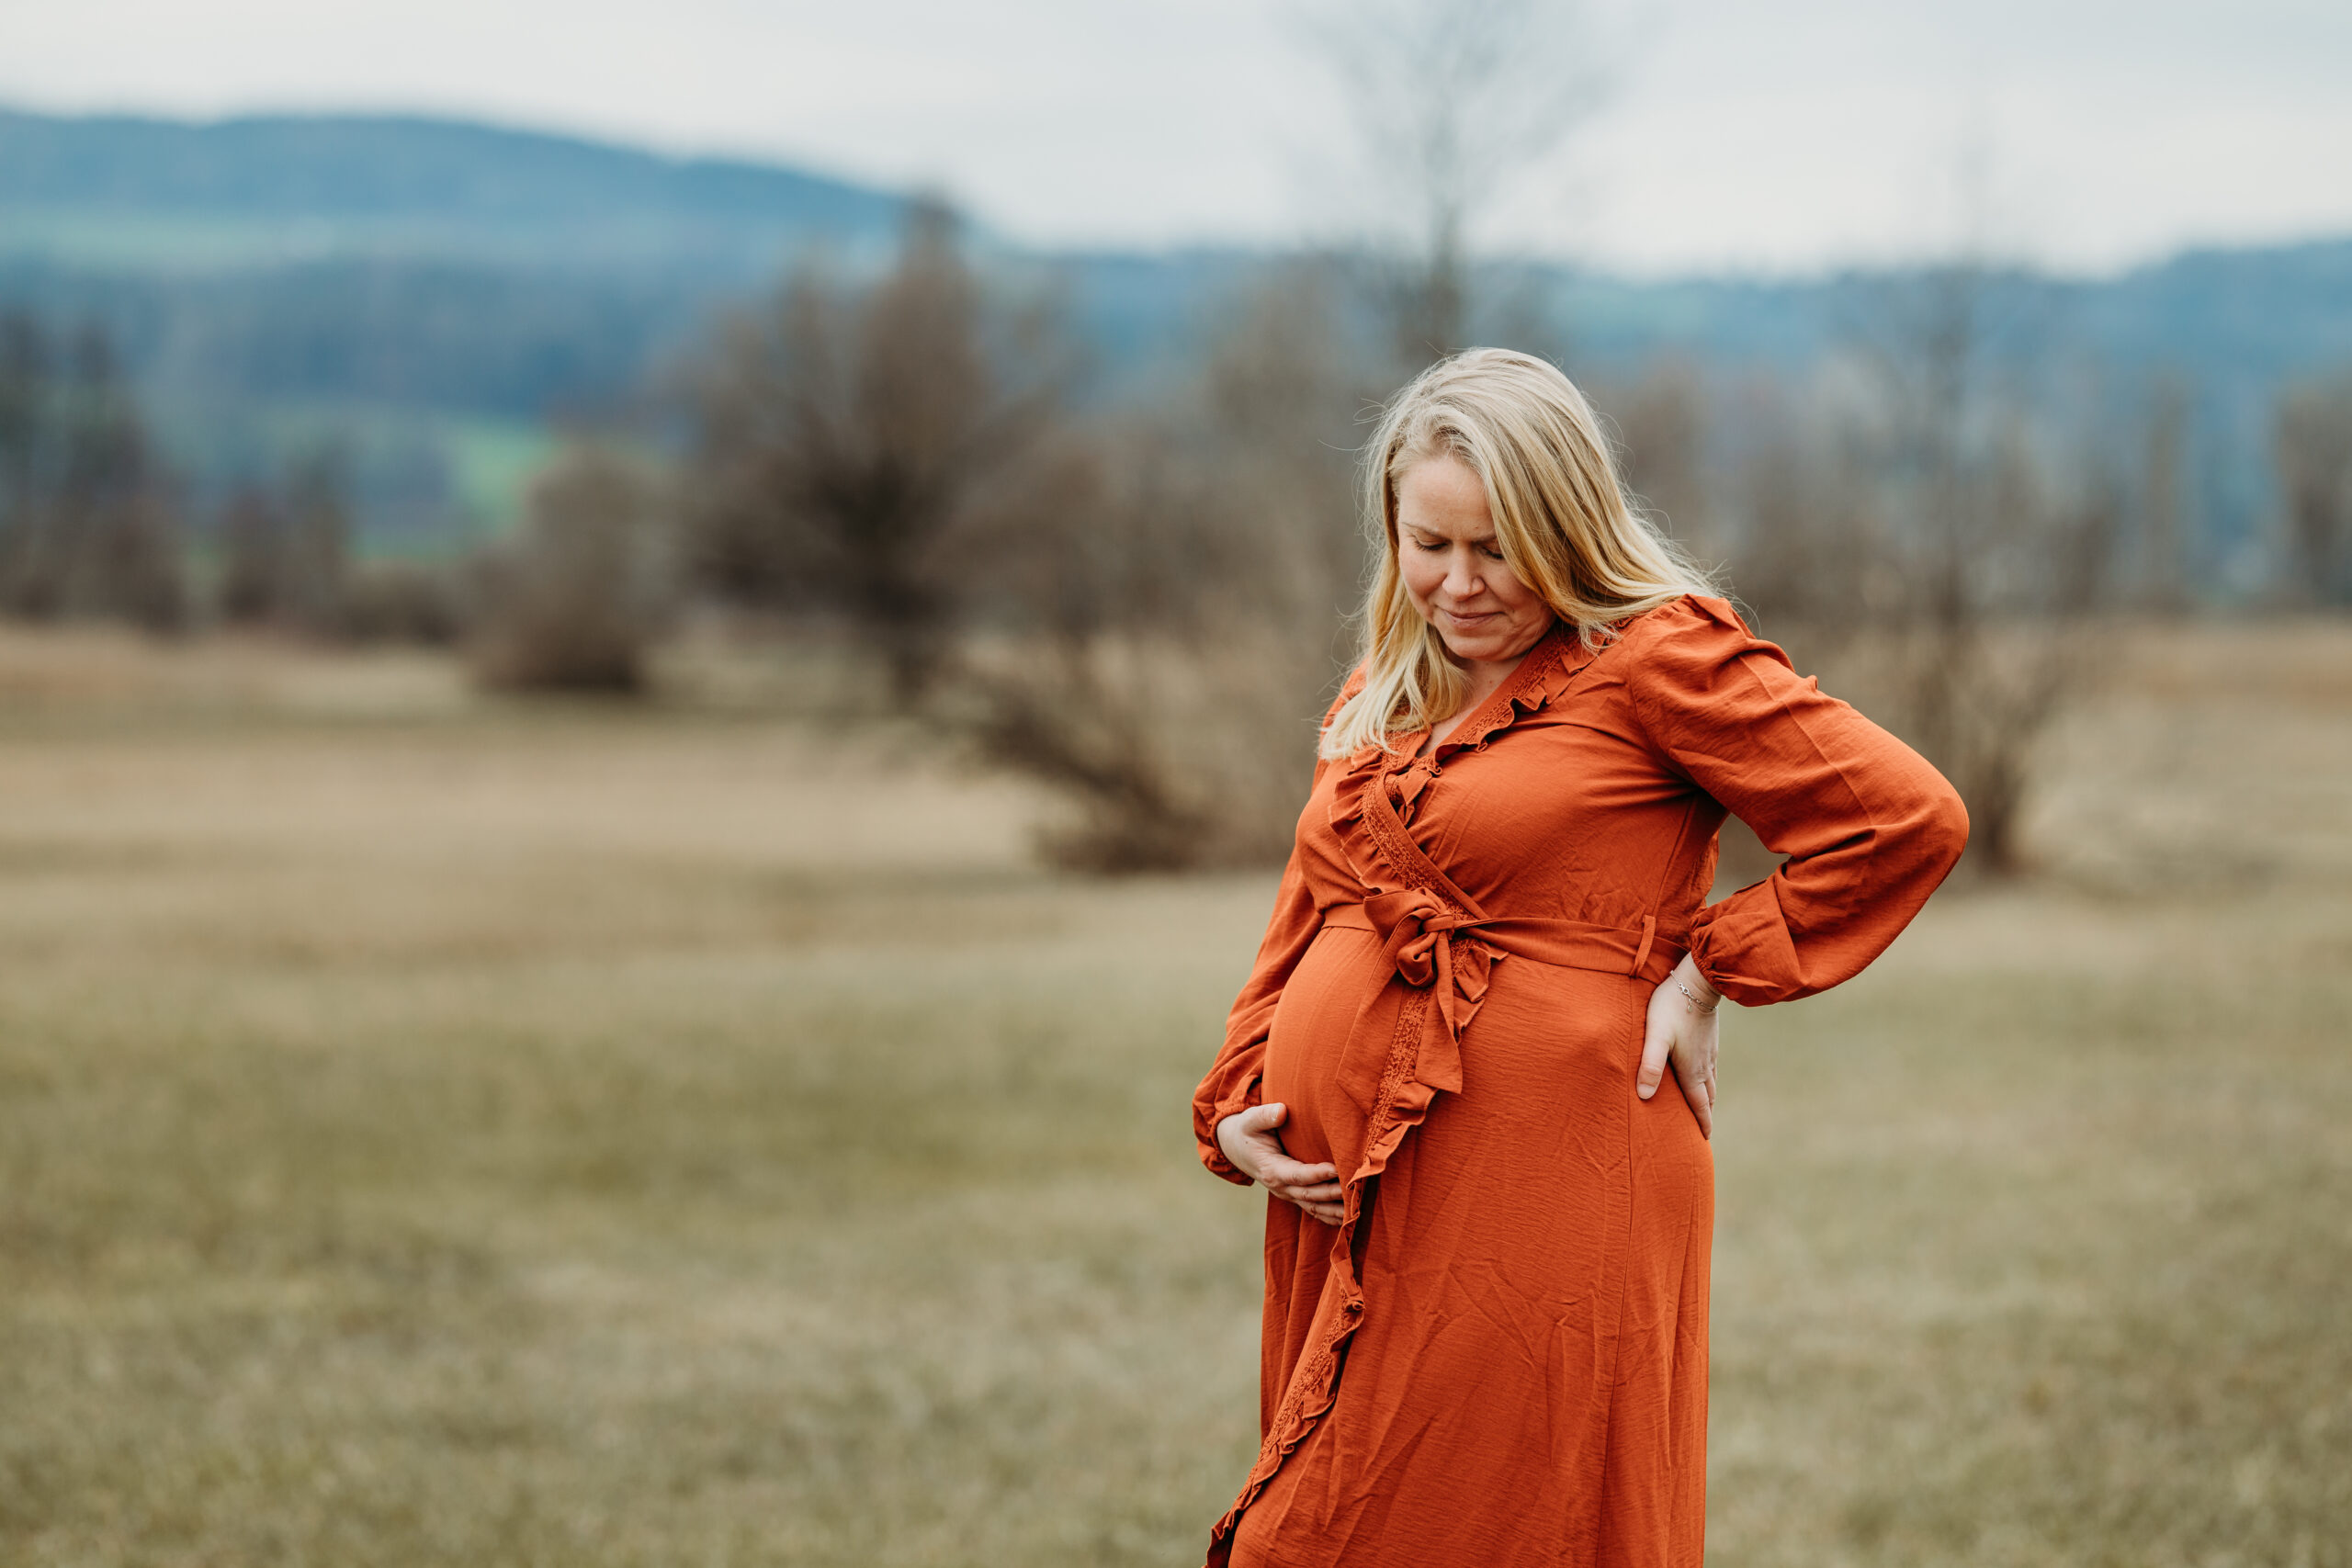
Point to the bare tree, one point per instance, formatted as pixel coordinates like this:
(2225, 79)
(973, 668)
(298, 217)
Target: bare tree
(286, 550)
(2163, 503)
(1454, 102)
(1175, 598)
(90, 527)
(1118, 607)
(2311, 443)
(249, 533)
(25, 440)
(847, 440)
(318, 556)
(1931, 546)
(1661, 424)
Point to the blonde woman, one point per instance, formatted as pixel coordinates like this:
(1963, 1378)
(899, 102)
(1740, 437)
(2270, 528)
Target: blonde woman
(1491, 1202)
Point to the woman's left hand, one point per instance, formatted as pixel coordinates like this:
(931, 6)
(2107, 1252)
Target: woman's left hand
(1687, 1033)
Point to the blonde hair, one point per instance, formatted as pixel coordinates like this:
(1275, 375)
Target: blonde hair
(1562, 521)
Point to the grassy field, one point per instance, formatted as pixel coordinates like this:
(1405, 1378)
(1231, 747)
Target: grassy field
(439, 1133)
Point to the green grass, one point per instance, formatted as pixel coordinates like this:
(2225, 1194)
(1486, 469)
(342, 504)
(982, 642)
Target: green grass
(495, 462)
(438, 1132)
(2040, 1267)
(489, 462)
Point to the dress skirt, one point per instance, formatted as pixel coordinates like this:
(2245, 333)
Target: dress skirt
(1558, 1335)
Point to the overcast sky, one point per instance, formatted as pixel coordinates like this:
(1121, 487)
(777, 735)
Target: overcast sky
(1778, 136)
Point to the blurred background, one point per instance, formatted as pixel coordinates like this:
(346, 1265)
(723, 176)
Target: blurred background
(654, 662)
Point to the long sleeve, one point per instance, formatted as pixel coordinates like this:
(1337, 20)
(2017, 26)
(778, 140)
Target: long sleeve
(1232, 1081)
(1869, 828)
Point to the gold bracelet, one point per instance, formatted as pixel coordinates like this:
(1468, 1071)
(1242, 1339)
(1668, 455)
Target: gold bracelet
(1705, 1008)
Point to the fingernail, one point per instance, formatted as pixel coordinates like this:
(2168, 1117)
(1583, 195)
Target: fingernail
(1646, 1091)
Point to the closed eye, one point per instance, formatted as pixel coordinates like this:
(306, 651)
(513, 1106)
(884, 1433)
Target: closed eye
(1489, 548)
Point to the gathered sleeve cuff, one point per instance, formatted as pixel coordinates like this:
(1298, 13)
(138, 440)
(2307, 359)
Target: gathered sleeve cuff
(1869, 828)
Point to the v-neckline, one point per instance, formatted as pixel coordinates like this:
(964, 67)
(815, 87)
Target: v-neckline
(1426, 750)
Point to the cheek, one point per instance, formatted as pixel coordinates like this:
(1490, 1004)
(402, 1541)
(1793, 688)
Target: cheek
(1421, 577)
(1519, 600)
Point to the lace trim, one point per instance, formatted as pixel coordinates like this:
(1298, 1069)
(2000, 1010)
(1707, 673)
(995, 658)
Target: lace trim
(1549, 672)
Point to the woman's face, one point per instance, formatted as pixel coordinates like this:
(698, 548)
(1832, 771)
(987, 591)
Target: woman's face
(1453, 570)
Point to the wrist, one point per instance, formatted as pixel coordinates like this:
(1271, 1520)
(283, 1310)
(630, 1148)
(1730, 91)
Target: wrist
(1702, 996)
(1227, 1137)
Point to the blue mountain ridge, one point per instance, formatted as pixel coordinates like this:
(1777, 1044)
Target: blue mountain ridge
(432, 283)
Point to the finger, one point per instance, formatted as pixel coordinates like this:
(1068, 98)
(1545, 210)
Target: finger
(1263, 1118)
(1297, 1173)
(1701, 1095)
(1328, 1213)
(1654, 1050)
(1325, 1192)
(1693, 1072)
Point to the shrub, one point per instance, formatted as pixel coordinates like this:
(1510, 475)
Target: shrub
(574, 602)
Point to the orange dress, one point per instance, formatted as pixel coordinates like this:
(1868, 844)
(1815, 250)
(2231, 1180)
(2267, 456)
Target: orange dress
(1500, 1357)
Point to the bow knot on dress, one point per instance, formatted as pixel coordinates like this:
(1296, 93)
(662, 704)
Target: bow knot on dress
(1422, 948)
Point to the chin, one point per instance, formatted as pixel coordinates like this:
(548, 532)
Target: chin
(1499, 642)
(1478, 650)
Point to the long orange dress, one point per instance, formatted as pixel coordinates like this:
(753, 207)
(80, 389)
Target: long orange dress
(1500, 1357)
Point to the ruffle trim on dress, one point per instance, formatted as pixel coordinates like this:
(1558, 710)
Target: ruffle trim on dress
(1405, 1101)
(1556, 665)
(1549, 672)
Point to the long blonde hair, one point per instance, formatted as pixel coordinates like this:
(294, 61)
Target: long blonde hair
(1562, 521)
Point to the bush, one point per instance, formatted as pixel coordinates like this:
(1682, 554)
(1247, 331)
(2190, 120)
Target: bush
(576, 599)
(403, 602)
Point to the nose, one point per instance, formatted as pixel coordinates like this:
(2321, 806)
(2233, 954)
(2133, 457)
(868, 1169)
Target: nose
(1463, 579)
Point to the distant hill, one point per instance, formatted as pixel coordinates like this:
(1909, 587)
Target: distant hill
(177, 196)
(431, 293)
(425, 293)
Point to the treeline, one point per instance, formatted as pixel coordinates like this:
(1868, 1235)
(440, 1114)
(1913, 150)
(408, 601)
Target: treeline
(88, 523)
(94, 524)
(1144, 605)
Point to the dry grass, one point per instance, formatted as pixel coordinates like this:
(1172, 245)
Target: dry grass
(442, 1133)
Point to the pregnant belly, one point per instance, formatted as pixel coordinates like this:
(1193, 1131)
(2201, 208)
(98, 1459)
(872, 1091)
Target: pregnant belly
(1343, 970)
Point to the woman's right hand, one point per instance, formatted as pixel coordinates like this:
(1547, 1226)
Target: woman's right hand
(1249, 1141)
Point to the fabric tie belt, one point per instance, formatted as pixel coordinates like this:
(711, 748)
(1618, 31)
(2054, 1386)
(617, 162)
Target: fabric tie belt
(1439, 949)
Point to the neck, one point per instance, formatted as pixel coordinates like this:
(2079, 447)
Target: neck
(1484, 678)
(1484, 674)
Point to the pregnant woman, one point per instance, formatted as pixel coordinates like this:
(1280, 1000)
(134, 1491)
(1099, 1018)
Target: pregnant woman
(1484, 1340)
